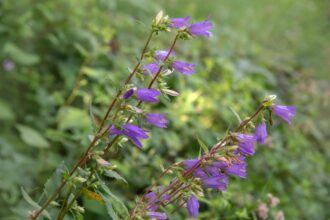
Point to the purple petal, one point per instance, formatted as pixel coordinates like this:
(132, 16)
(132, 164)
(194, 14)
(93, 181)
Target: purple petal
(261, 133)
(284, 112)
(128, 93)
(157, 215)
(180, 22)
(151, 68)
(192, 206)
(201, 28)
(162, 54)
(147, 95)
(183, 67)
(158, 120)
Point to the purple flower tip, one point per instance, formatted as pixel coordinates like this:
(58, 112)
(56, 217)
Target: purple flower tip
(284, 112)
(128, 93)
(183, 67)
(261, 133)
(162, 54)
(158, 120)
(188, 164)
(180, 22)
(238, 168)
(151, 68)
(246, 143)
(157, 215)
(201, 28)
(219, 182)
(134, 133)
(147, 95)
(192, 206)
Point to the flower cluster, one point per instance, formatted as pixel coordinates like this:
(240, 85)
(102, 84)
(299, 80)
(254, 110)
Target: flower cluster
(161, 59)
(212, 170)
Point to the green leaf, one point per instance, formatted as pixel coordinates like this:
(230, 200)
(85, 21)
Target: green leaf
(29, 200)
(111, 212)
(19, 55)
(202, 145)
(6, 112)
(54, 181)
(236, 114)
(114, 174)
(107, 190)
(32, 137)
(72, 118)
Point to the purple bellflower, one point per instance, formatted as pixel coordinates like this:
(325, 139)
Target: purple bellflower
(158, 120)
(238, 168)
(147, 95)
(218, 182)
(192, 206)
(151, 68)
(157, 215)
(261, 133)
(128, 93)
(246, 143)
(180, 22)
(284, 112)
(134, 133)
(189, 164)
(201, 28)
(161, 54)
(183, 67)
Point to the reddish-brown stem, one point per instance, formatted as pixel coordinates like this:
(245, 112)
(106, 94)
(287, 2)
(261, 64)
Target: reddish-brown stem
(96, 137)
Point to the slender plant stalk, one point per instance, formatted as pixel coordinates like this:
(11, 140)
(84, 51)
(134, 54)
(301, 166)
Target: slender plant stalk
(114, 140)
(97, 136)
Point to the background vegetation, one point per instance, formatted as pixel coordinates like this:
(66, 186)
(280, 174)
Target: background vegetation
(259, 47)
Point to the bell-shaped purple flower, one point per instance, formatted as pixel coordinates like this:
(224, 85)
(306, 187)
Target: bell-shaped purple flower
(183, 67)
(158, 120)
(221, 164)
(246, 143)
(134, 133)
(151, 68)
(162, 54)
(284, 112)
(218, 182)
(157, 215)
(192, 206)
(147, 95)
(128, 93)
(201, 28)
(152, 201)
(261, 133)
(238, 168)
(180, 22)
(189, 164)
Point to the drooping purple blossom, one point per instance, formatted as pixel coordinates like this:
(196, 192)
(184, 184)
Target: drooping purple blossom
(152, 201)
(134, 133)
(158, 120)
(151, 68)
(192, 206)
(189, 164)
(261, 133)
(284, 112)
(221, 164)
(162, 54)
(147, 95)
(180, 22)
(157, 215)
(201, 28)
(246, 143)
(218, 182)
(238, 168)
(128, 93)
(183, 67)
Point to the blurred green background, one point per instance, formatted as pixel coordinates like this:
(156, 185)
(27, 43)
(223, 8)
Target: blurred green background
(259, 47)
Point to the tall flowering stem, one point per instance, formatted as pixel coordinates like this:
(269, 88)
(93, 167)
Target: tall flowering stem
(98, 135)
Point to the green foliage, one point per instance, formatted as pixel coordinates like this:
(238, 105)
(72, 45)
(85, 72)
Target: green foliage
(259, 48)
